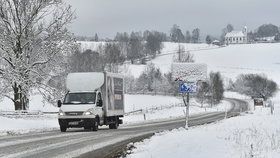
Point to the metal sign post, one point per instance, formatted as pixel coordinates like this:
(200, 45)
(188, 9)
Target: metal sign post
(187, 104)
(186, 89)
(188, 74)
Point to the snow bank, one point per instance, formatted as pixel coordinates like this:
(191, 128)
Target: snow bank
(250, 135)
(11, 126)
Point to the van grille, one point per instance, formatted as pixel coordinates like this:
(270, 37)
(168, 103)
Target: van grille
(73, 113)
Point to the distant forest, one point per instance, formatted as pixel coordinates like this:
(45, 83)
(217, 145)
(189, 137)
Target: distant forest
(178, 35)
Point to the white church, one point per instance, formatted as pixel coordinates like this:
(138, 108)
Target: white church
(237, 37)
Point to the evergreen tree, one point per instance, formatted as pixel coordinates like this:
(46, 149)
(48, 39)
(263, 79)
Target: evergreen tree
(154, 43)
(216, 88)
(208, 39)
(96, 39)
(277, 37)
(202, 92)
(176, 34)
(188, 37)
(135, 47)
(195, 35)
(267, 30)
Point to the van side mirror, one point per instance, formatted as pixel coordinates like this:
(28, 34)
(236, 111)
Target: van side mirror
(59, 103)
(99, 103)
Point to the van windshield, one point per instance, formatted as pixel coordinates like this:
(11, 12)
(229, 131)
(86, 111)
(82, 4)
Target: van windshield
(80, 98)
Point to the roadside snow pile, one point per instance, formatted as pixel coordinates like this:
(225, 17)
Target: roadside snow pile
(12, 126)
(250, 135)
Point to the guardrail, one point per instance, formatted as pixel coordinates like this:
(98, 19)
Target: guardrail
(23, 113)
(146, 110)
(20, 113)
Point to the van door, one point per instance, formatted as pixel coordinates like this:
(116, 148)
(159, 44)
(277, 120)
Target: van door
(99, 108)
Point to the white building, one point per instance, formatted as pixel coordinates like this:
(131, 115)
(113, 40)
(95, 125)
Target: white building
(237, 37)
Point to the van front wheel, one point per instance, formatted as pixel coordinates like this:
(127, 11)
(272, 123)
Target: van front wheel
(114, 125)
(95, 126)
(63, 128)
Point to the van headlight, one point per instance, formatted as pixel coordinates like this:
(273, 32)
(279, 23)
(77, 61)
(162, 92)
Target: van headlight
(88, 112)
(60, 113)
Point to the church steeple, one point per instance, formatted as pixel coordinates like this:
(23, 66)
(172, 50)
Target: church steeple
(245, 30)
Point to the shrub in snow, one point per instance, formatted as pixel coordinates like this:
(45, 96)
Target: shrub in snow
(255, 85)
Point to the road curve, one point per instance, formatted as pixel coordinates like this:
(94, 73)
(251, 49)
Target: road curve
(103, 143)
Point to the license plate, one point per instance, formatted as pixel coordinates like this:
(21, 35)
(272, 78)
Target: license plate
(73, 123)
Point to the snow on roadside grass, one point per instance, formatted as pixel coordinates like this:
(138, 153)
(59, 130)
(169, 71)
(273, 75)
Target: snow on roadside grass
(12, 126)
(256, 134)
(158, 107)
(137, 102)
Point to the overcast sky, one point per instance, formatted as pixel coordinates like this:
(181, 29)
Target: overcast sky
(106, 17)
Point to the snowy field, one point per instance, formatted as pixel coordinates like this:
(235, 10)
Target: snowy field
(250, 135)
(164, 60)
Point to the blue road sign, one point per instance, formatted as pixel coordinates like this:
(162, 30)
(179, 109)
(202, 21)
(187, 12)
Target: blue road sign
(187, 87)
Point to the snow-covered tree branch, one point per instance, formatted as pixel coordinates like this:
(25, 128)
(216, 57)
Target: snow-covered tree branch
(34, 41)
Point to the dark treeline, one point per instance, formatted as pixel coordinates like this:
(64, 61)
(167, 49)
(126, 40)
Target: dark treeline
(176, 34)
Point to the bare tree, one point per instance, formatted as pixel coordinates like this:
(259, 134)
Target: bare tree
(183, 55)
(112, 57)
(255, 85)
(34, 40)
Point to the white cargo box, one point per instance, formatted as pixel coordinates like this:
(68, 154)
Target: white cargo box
(81, 82)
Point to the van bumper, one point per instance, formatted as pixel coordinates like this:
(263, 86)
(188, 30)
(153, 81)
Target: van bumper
(76, 122)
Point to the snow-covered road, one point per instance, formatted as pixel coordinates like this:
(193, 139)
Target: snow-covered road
(78, 142)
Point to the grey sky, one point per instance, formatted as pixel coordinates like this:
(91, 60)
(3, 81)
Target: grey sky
(106, 17)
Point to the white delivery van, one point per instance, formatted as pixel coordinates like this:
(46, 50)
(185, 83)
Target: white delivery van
(93, 99)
